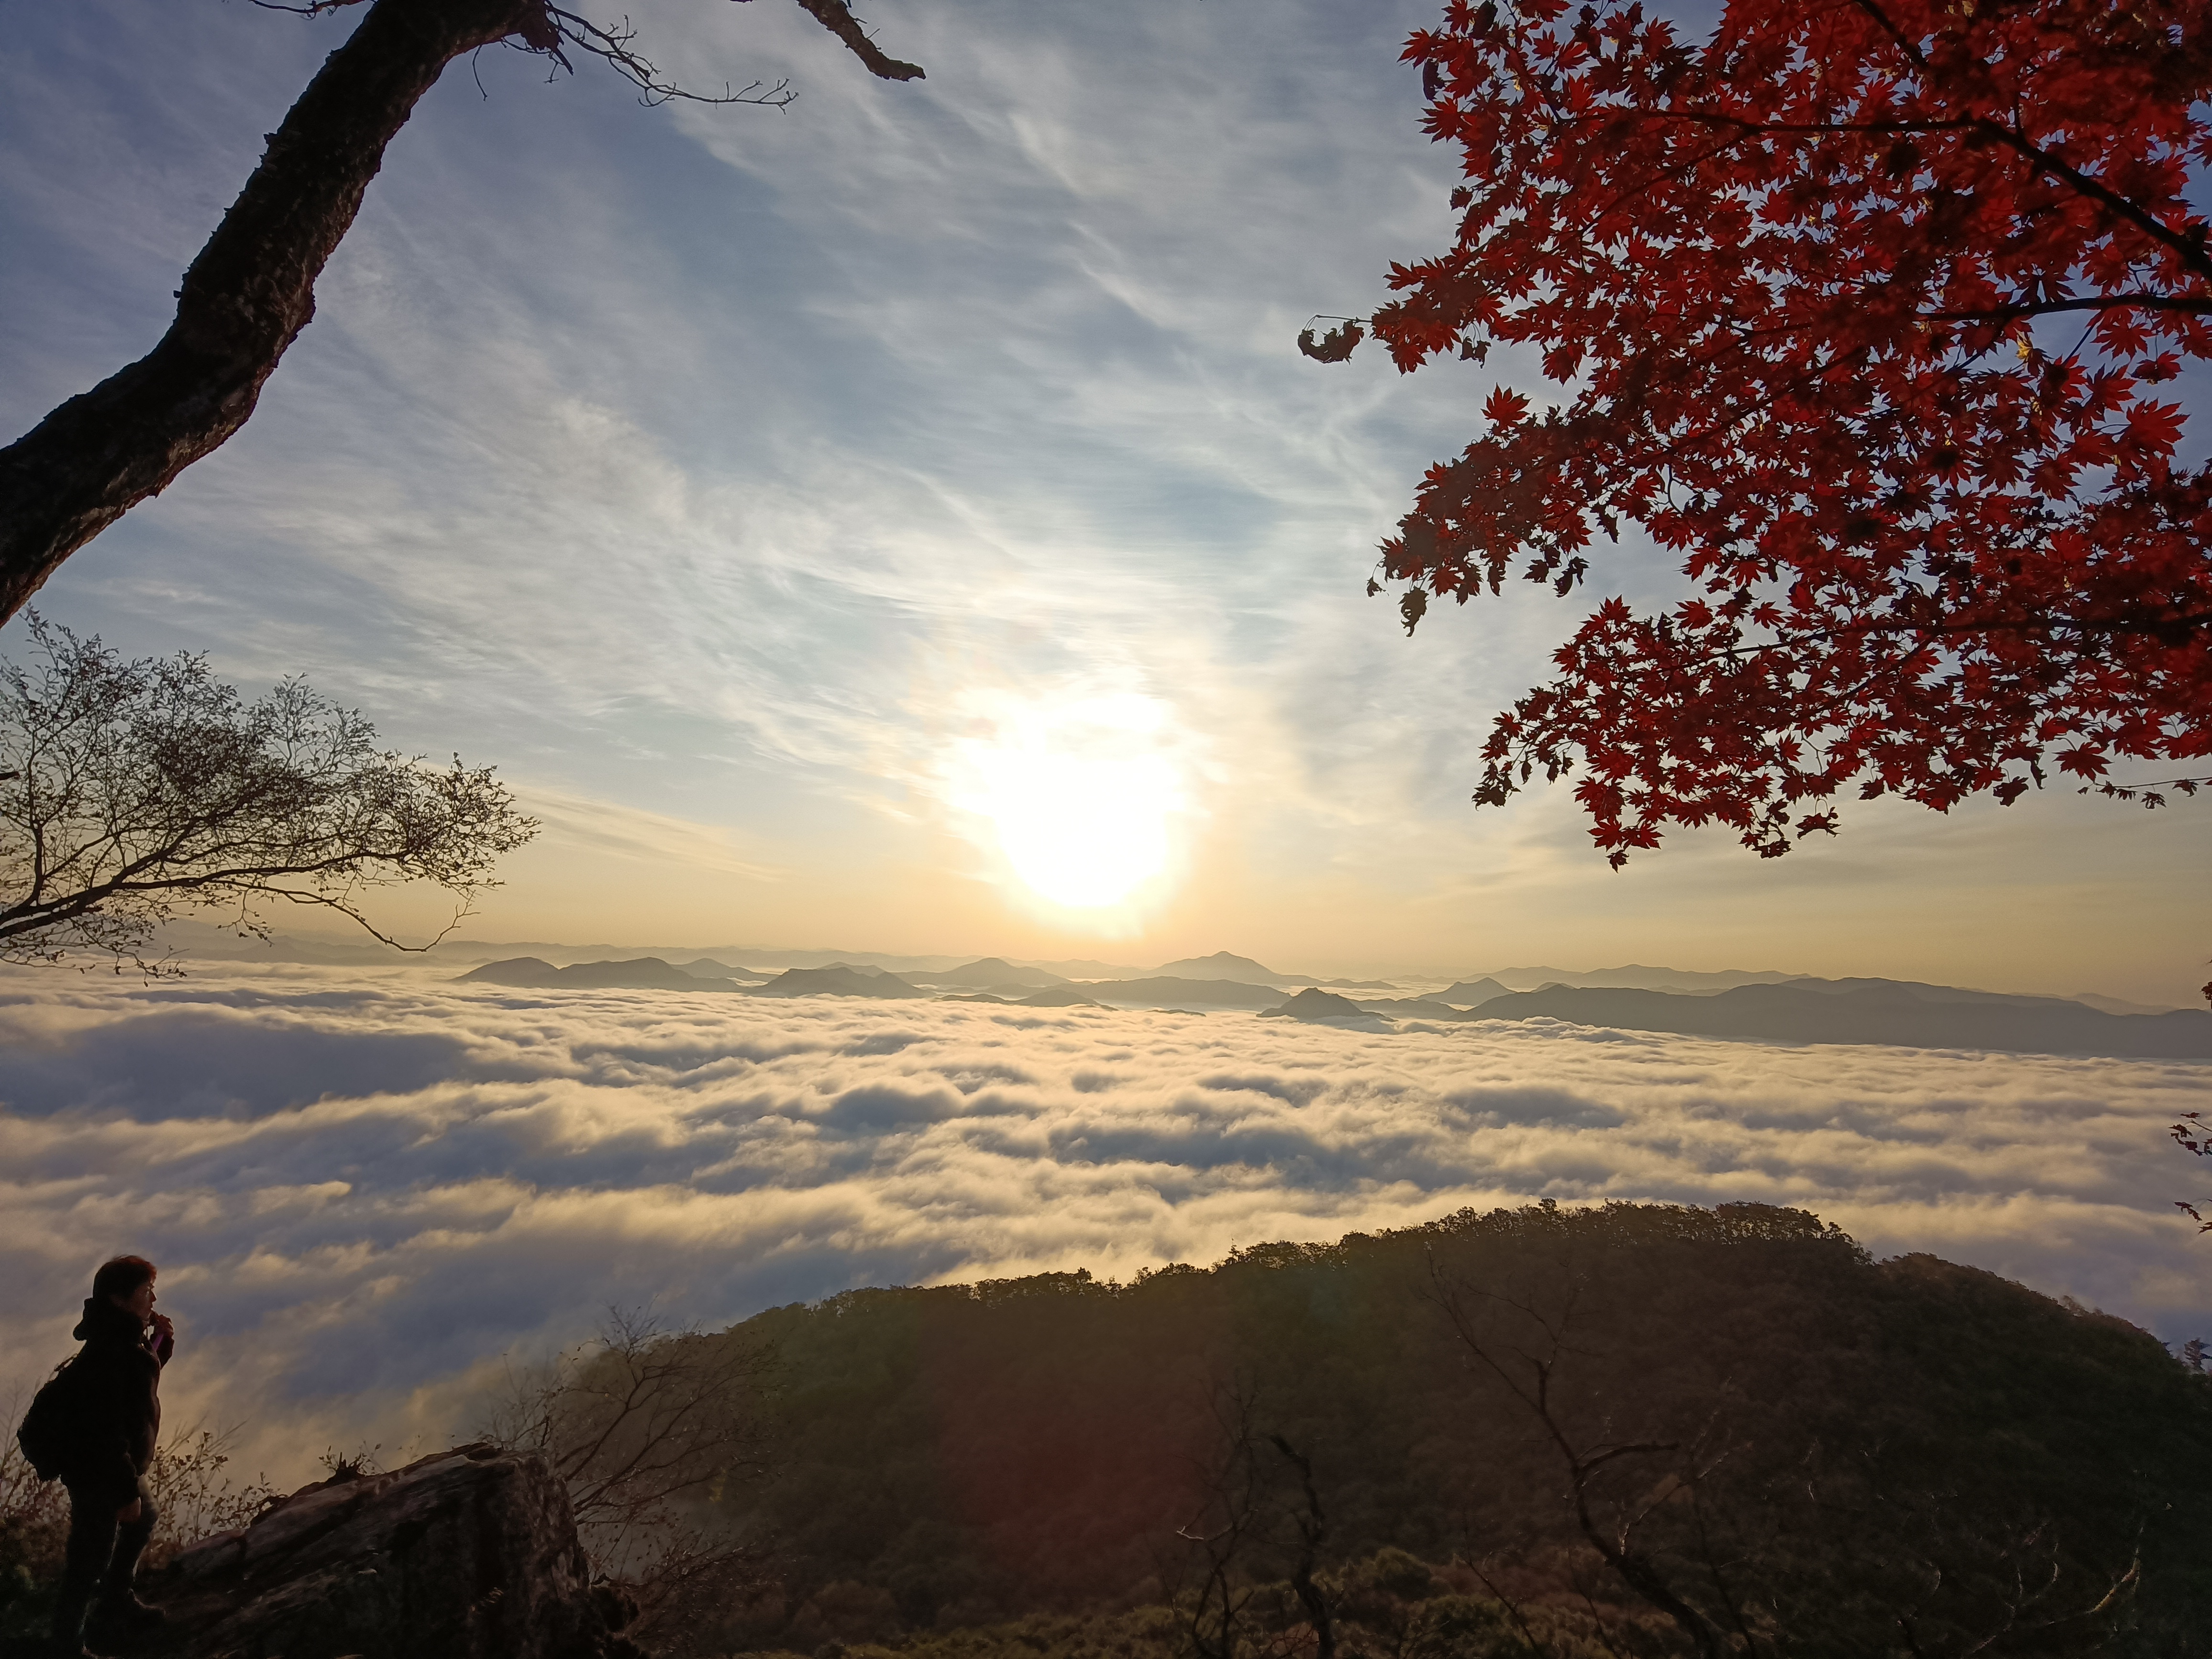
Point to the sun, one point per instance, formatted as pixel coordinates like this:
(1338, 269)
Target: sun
(1084, 832)
(1082, 798)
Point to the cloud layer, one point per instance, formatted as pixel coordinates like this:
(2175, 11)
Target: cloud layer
(362, 1189)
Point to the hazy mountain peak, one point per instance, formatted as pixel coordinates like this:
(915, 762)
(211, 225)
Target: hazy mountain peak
(838, 980)
(633, 974)
(1637, 977)
(1222, 964)
(990, 972)
(527, 971)
(707, 968)
(1894, 1013)
(1472, 994)
(1314, 1003)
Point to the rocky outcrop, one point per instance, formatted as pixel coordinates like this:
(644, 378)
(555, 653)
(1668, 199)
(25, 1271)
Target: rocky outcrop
(469, 1554)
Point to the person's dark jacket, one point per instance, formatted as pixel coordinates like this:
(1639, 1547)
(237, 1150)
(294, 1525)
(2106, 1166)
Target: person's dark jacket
(120, 1374)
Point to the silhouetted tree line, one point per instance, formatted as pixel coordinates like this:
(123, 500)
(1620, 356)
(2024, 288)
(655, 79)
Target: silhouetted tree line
(1632, 1430)
(1636, 1430)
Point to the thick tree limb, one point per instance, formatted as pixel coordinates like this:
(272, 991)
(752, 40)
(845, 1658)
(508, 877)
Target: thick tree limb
(833, 16)
(252, 287)
(244, 299)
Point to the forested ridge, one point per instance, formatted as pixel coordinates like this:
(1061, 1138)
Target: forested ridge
(1803, 1450)
(1634, 1431)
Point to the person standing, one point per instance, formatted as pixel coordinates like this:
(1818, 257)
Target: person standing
(117, 1380)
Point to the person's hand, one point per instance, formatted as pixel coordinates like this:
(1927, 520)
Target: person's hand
(164, 1332)
(128, 1512)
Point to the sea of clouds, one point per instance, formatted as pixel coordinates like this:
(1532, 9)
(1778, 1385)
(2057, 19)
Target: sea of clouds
(368, 1192)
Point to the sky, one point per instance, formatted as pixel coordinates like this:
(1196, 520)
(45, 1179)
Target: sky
(903, 521)
(372, 1191)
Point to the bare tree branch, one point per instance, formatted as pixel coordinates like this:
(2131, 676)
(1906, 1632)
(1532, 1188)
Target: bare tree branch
(252, 289)
(613, 46)
(1531, 1382)
(645, 1427)
(136, 790)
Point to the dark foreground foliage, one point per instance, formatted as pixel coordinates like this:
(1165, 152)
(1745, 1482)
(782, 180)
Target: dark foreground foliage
(1641, 1431)
(194, 1488)
(1669, 1430)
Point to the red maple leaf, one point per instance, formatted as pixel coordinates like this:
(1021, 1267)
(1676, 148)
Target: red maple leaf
(1860, 304)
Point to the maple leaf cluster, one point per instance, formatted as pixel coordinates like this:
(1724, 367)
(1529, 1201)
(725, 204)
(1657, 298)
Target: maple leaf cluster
(1863, 308)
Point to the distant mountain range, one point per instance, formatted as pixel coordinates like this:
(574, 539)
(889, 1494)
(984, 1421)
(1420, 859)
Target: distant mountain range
(1244, 971)
(839, 978)
(1891, 1012)
(1753, 1006)
(1635, 976)
(1051, 996)
(638, 974)
(1221, 965)
(1173, 991)
(989, 972)
(860, 979)
(707, 967)
(1467, 993)
(1324, 1007)
(1314, 1004)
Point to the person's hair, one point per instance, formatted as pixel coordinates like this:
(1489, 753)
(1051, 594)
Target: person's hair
(123, 1276)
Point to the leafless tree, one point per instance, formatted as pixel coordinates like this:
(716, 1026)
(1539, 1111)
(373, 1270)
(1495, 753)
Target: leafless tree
(646, 1428)
(1209, 1586)
(252, 289)
(1520, 1341)
(1237, 1531)
(1311, 1524)
(133, 791)
(1752, 1551)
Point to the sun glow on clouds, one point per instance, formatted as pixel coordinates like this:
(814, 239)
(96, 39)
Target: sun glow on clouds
(1081, 799)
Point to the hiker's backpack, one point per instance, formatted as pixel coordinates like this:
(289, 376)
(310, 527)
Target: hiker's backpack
(54, 1426)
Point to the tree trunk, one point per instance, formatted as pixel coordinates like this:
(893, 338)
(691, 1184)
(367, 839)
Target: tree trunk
(246, 296)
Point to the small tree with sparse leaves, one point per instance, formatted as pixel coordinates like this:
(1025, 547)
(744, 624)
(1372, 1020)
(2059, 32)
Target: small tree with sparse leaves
(134, 791)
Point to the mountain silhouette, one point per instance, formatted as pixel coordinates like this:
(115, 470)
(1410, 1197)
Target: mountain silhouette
(640, 974)
(1166, 991)
(839, 980)
(1637, 976)
(991, 972)
(527, 971)
(1468, 993)
(707, 968)
(1889, 1011)
(1222, 965)
(1313, 1003)
(1021, 996)
(1409, 1007)
(1055, 996)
